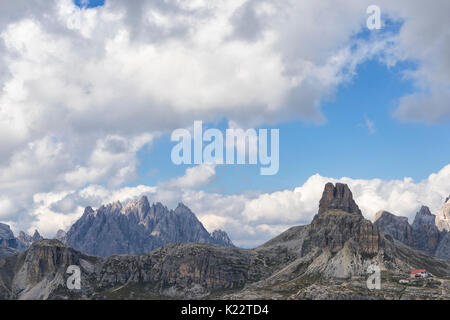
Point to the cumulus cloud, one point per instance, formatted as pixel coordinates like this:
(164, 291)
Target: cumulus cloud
(195, 177)
(251, 218)
(82, 91)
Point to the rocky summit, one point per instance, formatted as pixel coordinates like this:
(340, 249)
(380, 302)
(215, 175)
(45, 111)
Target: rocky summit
(137, 227)
(328, 259)
(338, 197)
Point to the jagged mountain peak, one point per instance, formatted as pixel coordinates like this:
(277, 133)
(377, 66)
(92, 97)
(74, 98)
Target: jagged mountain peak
(338, 197)
(425, 211)
(36, 236)
(136, 227)
(182, 209)
(144, 204)
(424, 217)
(88, 211)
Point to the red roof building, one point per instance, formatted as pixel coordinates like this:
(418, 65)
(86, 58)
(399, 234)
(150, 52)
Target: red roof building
(419, 273)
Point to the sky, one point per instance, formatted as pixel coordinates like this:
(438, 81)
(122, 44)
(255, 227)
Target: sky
(92, 90)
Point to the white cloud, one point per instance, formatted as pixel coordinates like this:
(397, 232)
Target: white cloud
(195, 177)
(250, 218)
(76, 105)
(370, 124)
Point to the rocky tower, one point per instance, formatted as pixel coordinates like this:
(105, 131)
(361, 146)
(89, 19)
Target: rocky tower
(426, 234)
(338, 197)
(339, 221)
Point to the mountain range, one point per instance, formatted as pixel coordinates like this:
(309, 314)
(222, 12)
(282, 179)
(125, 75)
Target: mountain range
(424, 234)
(327, 259)
(137, 227)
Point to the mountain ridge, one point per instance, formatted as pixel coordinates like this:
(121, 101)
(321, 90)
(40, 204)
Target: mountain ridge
(423, 234)
(137, 227)
(327, 259)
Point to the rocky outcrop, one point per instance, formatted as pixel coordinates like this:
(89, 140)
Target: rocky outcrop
(340, 220)
(171, 271)
(333, 229)
(338, 197)
(422, 235)
(395, 226)
(425, 233)
(135, 228)
(443, 216)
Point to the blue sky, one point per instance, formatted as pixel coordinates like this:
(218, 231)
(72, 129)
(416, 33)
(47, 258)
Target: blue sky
(343, 146)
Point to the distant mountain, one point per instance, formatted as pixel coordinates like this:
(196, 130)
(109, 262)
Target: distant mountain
(395, 226)
(26, 240)
(328, 259)
(61, 235)
(221, 237)
(423, 234)
(10, 245)
(137, 228)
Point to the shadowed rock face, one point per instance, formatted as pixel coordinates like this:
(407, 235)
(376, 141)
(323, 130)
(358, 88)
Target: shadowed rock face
(8, 244)
(426, 234)
(423, 234)
(136, 228)
(334, 228)
(338, 197)
(7, 237)
(396, 227)
(340, 220)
